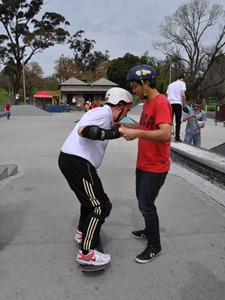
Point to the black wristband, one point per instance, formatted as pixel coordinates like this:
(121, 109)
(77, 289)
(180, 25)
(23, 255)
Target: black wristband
(111, 134)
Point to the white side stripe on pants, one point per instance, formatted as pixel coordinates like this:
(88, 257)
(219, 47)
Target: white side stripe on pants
(97, 210)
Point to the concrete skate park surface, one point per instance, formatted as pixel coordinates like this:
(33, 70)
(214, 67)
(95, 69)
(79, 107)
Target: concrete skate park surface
(39, 214)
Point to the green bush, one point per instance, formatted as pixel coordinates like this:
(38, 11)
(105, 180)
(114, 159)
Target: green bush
(4, 96)
(210, 107)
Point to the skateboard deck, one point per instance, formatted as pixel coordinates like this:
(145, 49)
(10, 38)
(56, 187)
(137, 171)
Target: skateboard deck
(89, 268)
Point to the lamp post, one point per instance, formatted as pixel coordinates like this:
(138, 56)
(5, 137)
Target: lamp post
(24, 85)
(168, 57)
(170, 71)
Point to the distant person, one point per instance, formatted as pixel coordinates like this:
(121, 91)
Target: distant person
(153, 158)
(17, 99)
(8, 110)
(87, 106)
(177, 97)
(94, 104)
(80, 157)
(74, 101)
(196, 119)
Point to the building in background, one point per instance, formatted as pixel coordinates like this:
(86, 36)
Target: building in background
(84, 91)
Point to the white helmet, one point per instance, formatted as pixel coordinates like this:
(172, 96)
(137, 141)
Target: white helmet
(117, 94)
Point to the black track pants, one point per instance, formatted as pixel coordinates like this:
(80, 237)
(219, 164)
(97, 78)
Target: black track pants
(83, 179)
(177, 111)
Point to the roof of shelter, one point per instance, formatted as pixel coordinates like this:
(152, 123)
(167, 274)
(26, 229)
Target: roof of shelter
(73, 81)
(104, 81)
(74, 85)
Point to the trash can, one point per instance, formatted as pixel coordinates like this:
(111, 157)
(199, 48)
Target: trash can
(48, 107)
(220, 113)
(67, 108)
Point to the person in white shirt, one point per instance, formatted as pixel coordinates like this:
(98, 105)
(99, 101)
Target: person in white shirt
(74, 100)
(81, 155)
(177, 97)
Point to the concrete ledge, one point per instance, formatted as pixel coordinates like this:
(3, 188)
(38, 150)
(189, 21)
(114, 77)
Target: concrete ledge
(210, 166)
(3, 172)
(8, 170)
(216, 121)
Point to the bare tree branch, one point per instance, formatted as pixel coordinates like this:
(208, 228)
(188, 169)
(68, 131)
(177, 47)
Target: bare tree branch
(187, 33)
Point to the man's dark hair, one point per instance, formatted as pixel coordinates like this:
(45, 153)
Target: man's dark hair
(181, 76)
(198, 101)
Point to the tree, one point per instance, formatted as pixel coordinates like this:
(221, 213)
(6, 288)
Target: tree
(83, 55)
(4, 82)
(217, 93)
(25, 36)
(33, 75)
(98, 58)
(119, 67)
(65, 68)
(101, 70)
(186, 35)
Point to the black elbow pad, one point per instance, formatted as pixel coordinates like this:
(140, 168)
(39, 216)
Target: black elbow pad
(92, 132)
(96, 133)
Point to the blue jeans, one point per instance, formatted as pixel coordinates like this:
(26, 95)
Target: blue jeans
(194, 138)
(8, 114)
(148, 185)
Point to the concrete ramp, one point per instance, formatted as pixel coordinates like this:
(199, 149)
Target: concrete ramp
(220, 149)
(28, 110)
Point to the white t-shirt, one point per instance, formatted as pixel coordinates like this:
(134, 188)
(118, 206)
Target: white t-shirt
(174, 90)
(91, 150)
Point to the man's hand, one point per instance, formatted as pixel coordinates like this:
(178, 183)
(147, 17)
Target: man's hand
(128, 133)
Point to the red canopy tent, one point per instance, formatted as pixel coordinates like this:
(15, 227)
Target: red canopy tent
(43, 94)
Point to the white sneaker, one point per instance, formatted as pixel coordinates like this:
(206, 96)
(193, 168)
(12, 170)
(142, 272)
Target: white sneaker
(93, 258)
(78, 237)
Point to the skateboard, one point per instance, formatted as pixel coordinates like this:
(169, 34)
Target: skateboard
(89, 268)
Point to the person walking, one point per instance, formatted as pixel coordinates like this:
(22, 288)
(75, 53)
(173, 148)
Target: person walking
(196, 119)
(80, 157)
(8, 110)
(153, 158)
(177, 97)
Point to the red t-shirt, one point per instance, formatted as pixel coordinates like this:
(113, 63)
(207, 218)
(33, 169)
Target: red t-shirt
(7, 107)
(154, 156)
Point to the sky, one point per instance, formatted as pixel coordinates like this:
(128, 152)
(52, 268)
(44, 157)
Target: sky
(119, 26)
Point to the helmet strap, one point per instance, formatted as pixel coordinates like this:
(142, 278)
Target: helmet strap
(118, 118)
(145, 93)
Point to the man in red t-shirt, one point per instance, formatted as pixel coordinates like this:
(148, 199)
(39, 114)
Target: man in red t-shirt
(153, 158)
(8, 110)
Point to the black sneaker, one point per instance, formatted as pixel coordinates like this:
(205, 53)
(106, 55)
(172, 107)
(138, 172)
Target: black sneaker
(148, 254)
(139, 234)
(178, 140)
